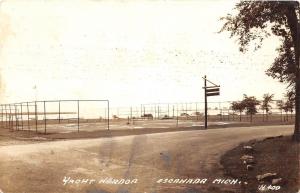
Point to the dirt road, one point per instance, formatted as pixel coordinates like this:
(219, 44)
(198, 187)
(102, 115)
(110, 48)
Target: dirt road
(41, 168)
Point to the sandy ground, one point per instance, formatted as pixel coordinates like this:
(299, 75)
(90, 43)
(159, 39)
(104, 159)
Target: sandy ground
(120, 125)
(41, 168)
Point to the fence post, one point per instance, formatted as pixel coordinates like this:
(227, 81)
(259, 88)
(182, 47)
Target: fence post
(186, 109)
(197, 112)
(131, 115)
(228, 115)
(45, 118)
(1, 116)
(59, 111)
(16, 117)
(10, 121)
(108, 115)
(6, 118)
(28, 116)
(177, 116)
(78, 116)
(36, 117)
(173, 111)
(22, 124)
(9, 116)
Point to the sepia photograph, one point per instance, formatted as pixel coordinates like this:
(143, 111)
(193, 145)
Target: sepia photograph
(149, 96)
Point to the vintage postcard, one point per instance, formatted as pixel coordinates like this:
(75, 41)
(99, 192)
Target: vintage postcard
(149, 96)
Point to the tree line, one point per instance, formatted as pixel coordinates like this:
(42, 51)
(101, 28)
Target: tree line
(250, 105)
(254, 21)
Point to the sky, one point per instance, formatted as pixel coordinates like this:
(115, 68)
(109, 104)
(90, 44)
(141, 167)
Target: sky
(129, 52)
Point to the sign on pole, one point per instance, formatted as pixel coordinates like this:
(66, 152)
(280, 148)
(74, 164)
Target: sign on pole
(209, 91)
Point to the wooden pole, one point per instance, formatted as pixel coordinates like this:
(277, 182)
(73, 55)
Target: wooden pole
(78, 116)
(177, 116)
(131, 114)
(45, 118)
(2, 112)
(10, 123)
(6, 117)
(205, 101)
(59, 112)
(22, 124)
(36, 117)
(16, 117)
(28, 116)
(173, 111)
(108, 115)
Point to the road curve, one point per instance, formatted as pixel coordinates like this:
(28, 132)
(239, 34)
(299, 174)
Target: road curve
(41, 168)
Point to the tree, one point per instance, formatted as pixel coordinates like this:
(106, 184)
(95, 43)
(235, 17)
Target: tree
(287, 105)
(267, 99)
(250, 104)
(257, 20)
(238, 106)
(290, 103)
(286, 110)
(280, 106)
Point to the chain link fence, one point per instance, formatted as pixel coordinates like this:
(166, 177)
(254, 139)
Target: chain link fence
(63, 116)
